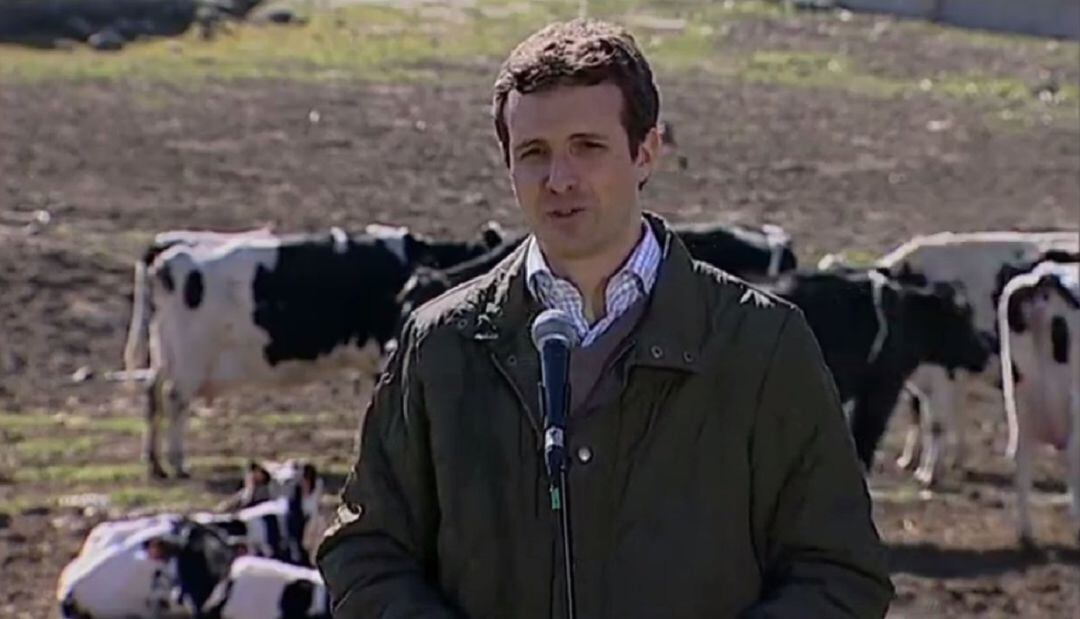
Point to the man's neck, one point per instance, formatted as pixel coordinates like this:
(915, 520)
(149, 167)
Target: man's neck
(591, 275)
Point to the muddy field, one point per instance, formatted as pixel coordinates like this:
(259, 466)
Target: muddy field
(113, 162)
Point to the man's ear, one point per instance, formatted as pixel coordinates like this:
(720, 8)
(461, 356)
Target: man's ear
(648, 155)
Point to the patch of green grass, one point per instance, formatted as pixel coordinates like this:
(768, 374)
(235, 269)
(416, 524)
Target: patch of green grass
(387, 41)
(1052, 50)
(838, 72)
(38, 421)
(163, 497)
(285, 420)
(815, 69)
(117, 425)
(372, 41)
(101, 473)
(27, 421)
(112, 472)
(46, 448)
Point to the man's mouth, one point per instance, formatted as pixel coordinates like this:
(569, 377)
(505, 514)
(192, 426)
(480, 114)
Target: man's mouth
(565, 213)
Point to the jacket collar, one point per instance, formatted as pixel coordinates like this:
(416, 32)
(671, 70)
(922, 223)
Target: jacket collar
(671, 334)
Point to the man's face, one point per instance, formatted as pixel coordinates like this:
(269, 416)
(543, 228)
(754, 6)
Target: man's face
(571, 169)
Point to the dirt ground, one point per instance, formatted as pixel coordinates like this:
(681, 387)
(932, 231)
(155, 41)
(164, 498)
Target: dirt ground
(113, 163)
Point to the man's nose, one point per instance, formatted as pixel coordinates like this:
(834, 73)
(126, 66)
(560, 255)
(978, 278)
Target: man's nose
(562, 174)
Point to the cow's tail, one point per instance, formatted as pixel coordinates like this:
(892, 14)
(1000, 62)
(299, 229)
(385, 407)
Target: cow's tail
(878, 283)
(778, 241)
(136, 348)
(1008, 377)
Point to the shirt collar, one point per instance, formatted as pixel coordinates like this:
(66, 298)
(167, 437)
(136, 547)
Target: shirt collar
(642, 263)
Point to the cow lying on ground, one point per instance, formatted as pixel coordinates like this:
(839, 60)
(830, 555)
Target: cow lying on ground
(874, 332)
(146, 556)
(286, 525)
(744, 252)
(168, 569)
(1039, 323)
(258, 588)
(220, 313)
(971, 262)
(183, 568)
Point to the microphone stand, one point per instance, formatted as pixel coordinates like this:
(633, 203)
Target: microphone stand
(555, 459)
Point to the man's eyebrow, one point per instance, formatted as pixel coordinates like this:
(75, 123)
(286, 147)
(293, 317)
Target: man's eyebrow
(528, 143)
(588, 135)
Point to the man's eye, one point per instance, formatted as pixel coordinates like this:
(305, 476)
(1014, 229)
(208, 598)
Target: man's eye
(594, 145)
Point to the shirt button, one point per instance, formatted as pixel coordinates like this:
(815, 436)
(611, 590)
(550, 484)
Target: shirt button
(584, 455)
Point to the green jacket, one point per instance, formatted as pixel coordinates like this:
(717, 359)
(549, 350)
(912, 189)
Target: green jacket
(723, 482)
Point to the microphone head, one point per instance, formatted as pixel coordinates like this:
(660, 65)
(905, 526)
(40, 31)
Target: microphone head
(553, 324)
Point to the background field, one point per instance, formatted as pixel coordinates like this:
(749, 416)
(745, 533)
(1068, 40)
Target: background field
(854, 132)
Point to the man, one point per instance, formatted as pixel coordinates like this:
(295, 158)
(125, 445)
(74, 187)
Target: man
(711, 473)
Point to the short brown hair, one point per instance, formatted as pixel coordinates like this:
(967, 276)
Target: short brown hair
(580, 52)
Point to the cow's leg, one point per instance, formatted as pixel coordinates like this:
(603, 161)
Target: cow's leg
(871, 416)
(152, 429)
(942, 399)
(914, 400)
(955, 420)
(1023, 483)
(1028, 402)
(1072, 449)
(176, 406)
(1072, 453)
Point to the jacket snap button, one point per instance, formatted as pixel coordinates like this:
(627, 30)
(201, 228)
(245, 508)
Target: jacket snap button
(511, 360)
(657, 352)
(584, 455)
(462, 323)
(688, 357)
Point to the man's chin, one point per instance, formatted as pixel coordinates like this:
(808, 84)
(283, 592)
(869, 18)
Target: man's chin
(560, 247)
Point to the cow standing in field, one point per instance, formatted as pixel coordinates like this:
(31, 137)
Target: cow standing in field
(971, 262)
(748, 253)
(221, 313)
(874, 332)
(1039, 323)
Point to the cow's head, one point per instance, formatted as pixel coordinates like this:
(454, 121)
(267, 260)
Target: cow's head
(426, 251)
(203, 558)
(944, 321)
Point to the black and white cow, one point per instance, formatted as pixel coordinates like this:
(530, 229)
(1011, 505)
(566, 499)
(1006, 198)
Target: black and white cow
(287, 528)
(259, 588)
(286, 525)
(744, 252)
(749, 253)
(222, 312)
(168, 569)
(971, 262)
(874, 332)
(171, 562)
(426, 283)
(1039, 326)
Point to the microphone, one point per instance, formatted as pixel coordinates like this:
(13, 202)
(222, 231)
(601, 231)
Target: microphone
(554, 335)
